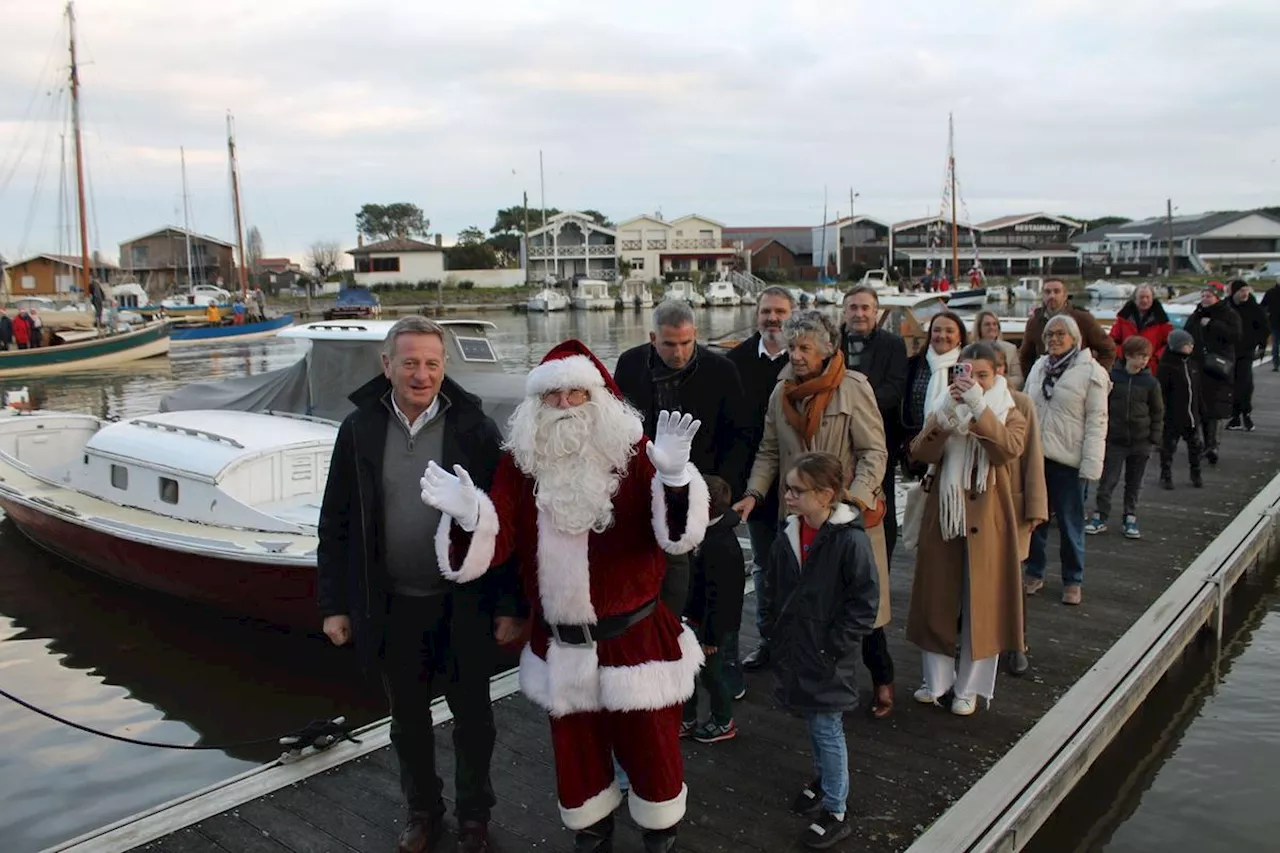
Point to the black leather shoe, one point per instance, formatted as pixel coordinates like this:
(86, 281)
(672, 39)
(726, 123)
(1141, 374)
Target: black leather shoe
(757, 660)
(597, 838)
(473, 837)
(422, 833)
(660, 840)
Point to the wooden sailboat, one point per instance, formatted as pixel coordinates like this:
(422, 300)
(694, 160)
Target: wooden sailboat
(109, 346)
(973, 296)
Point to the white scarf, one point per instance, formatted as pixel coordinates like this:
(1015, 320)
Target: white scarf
(964, 461)
(936, 394)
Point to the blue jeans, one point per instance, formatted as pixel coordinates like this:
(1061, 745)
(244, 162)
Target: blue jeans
(1066, 502)
(762, 534)
(830, 758)
(620, 776)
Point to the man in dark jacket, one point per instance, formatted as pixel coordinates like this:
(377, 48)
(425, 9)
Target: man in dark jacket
(881, 356)
(759, 359)
(1271, 303)
(1179, 378)
(1253, 339)
(1055, 301)
(379, 577)
(6, 330)
(1216, 330)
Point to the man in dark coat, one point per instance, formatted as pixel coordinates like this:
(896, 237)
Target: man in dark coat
(1215, 327)
(379, 581)
(881, 356)
(1055, 301)
(96, 298)
(759, 359)
(1271, 303)
(1253, 339)
(6, 330)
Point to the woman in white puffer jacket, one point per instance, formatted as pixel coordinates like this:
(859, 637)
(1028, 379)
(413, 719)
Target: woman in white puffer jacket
(1069, 389)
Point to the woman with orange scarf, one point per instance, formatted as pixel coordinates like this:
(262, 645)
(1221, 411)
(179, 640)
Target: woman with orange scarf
(818, 405)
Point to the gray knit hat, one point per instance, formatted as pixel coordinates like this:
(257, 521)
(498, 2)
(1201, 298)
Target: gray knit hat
(1179, 338)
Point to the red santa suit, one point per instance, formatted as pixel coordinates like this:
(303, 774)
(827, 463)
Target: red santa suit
(618, 695)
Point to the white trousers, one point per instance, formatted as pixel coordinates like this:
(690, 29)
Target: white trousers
(971, 677)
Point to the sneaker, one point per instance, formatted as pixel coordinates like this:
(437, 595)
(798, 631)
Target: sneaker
(687, 729)
(1071, 594)
(1166, 480)
(713, 732)
(1248, 423)
(1234, 423)
(1212, 456)
(808, 801)
(1030, 585)
(963, 707)
(1131, 530)
(757, 660)
(1196, 479)
(924, 696)
(826, 831)
(1095, 524)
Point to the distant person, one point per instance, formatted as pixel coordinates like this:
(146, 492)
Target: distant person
(237, 311)
(6, 330)
(1216, 330)
(37, 328)
(1179, 377)
(96, 297)
(1254, 328)
(1143, 315)
(22, 329)
(260, 300)
(1054, 301)
(1271, 302)
(986, 328)
(1069, 388)
(1135, 426)
(212, 315)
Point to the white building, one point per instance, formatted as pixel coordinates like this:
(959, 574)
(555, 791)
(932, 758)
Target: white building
(1204, 243)
(571, 244)
(654, 247)
(394, 260)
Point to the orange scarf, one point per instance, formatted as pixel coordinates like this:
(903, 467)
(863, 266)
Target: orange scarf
(821, 388)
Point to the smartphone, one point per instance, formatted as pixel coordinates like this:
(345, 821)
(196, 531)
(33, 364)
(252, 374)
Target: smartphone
(963, 368)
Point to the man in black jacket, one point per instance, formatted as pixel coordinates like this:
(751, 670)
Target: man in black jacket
(759, 359)
(1271, 302)
(379, 575)
(6, 330)
(1253, 339)
(881, 356)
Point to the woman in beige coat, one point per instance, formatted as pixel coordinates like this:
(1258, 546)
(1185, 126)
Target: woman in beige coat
(818, 405)
(968, 562)
(986, 327)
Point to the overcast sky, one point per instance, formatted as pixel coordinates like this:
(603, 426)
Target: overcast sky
(741, 111)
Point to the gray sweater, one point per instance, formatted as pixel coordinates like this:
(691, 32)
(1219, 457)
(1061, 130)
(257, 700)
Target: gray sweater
(409, 525)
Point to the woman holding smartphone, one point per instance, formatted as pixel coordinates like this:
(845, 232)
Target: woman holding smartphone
(968, 561)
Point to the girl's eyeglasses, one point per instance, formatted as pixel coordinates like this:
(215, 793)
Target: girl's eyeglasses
(795, 491)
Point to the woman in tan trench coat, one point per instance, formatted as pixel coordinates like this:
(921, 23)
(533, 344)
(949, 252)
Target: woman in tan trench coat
(818, 405)
(968, 561)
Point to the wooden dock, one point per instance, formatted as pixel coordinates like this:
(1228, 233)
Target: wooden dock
(906, 771)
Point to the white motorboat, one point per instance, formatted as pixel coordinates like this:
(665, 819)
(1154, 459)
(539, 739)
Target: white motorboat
(998, 293)
(634, 293)
(591, 294)
(827, 295)
(200, 296)
(973, 297)
(684, 291)
(546, 300)
(721, 293)
(879, 281)
(1028, 287)
(1102, 289)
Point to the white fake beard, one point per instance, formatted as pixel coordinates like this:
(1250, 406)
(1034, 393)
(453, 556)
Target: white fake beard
(576, 457)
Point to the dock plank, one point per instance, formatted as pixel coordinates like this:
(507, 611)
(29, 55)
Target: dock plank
(905, 770)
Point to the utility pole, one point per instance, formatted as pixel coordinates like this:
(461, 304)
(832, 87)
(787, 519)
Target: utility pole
(853, 230)
(75, 123)
(524, 244)
(1170, 203)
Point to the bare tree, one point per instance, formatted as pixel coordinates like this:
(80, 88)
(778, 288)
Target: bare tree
(253, 251)
(323, 258)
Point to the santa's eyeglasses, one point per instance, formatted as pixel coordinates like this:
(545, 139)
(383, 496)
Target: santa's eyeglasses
(572, 396)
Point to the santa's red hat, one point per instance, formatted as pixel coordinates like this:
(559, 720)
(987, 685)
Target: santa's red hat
(569, 364)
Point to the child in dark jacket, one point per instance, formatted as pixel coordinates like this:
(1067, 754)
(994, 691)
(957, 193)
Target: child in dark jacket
(1179, 376)
(714, 612)
(819, 596)
(1135, 423)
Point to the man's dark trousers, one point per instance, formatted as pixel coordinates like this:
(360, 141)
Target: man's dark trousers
(440, 641)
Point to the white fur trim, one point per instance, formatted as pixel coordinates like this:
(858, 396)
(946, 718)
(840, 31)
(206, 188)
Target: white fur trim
(570, 680)
(479, 553)
(695, 526)
(564, 574)
(842, 514)
(654, 684)
(594, 810)
(574, 371)
(662, 815)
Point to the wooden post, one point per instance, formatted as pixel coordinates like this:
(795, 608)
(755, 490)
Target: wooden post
(1169, 202)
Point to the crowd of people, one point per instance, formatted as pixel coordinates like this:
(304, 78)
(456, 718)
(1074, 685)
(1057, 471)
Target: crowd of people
(25, 330)
(600, 533)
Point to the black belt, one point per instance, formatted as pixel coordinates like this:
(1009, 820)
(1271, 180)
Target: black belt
(605, 629)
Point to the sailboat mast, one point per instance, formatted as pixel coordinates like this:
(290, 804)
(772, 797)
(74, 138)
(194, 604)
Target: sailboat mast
(235, 203)
(951, 168)
(186, 216)
(824, 233)
(75, 124)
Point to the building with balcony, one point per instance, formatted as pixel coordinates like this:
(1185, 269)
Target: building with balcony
(850, 241)
(1205, 243)
(657, 249)
(571, 244)
(159, 260)
(1022, 244)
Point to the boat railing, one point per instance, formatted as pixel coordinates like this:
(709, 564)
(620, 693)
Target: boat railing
(297, 416)
(192, 431)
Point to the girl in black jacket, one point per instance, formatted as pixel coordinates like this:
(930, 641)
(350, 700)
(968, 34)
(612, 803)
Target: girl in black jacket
(819, 597)
(1179, 377)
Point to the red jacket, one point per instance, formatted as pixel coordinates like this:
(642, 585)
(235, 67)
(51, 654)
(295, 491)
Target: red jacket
(21, 329)
(1156, 330)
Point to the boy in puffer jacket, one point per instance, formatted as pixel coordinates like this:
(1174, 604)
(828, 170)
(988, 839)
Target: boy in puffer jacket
(1135, 423)
(1179, 376)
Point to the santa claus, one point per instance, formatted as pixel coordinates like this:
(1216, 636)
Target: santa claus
(589, 505)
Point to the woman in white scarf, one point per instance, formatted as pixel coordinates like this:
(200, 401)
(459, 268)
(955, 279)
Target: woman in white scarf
(967, 561)
(927, 375)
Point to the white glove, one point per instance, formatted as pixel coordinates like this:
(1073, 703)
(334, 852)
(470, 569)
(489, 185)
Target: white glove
(670, 448)
(454, 496)
(972, 397)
